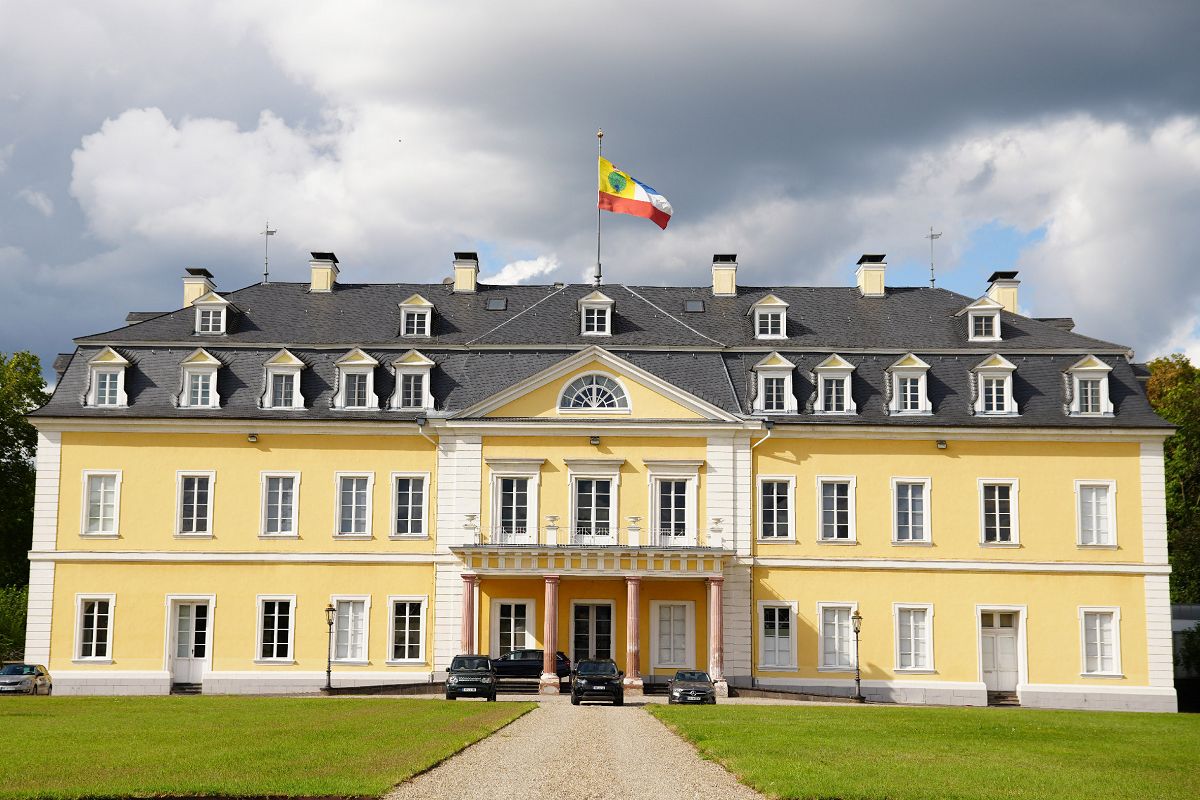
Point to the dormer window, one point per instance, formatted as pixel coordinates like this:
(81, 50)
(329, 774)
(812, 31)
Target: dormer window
(770, 318)
(775, 395)
(595, 315)
(356, 381)
(833, 386)
(983, 326)
(283, 382)
(909, 386)
(983, 320)
(199, 372)
(212, 312)
(993, 387)
(106, 380)
(412, 392)
(416, 317)
(1087, 383)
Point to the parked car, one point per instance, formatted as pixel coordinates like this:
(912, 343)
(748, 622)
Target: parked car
(18, 678)
(471, 676)
(528, 664)
(691, 686)
(597, 679)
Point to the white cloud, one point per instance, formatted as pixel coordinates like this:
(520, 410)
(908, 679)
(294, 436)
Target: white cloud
(521, 271)
(38, 201)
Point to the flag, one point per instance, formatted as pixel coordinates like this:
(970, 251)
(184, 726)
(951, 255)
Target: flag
(623, 194)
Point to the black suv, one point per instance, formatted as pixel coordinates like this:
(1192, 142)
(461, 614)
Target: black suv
(597, 679)
(471, 676)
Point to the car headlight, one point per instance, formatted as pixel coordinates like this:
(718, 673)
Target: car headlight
(486, 679)
(27, 682)
(676, 692)
(453, 679)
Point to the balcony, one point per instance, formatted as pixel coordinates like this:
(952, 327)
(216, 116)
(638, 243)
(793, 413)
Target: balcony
(585, 536)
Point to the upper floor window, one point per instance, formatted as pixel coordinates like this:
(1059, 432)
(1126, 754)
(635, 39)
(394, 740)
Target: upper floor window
(408, 505)
(770, 318)
(1088, 388)
(412, 392)
(775, 508)
(908, 383)
(673, 501)
(283, 382)
(194, 517)
(594, 393)
(774, 383)
(1096, 513)
(354, 504)
(200, 381)
(280, 500)
(356, 381)
(101, 503)
(212, 313)
(416, 317)
(834, 395)
(835, 506)
(910, 523)
(595, 315)
(983, 320)
(106, 380)
(998, 511)
(994, 386)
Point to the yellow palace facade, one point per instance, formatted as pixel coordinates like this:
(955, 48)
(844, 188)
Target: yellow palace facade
(718, 477)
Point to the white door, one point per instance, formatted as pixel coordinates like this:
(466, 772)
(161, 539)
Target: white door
(190, 642)
(513, 624)
(591, 631)
(998, 632)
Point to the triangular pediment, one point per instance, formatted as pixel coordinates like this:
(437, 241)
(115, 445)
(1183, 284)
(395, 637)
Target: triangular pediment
(284, 358)
(356, 358)
(1089, 362)
(416, 301)
(110, 358)
(413, 358)
(201, 358)
(774, 361)
(995, 361)
(834, 362)
(770, 301)
(909, 361)
(596, 298)
(210, 298)
(984, 303)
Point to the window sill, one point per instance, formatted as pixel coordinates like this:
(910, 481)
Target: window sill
(346, 662)
(409, 537)
(279, 536)
(1097, 546)
(912, 543)
(361, 537)
(914, 671)
(355, 408)
(1103, 675)
(840, 542)
(99, 536)
(275, 662)
(770, 337)
(407, 662)
(779, 668)
(91, 661)
(776, 540)
(835, 669)
(194, 536)
(898, 413)
(591, 412)
(1001, 545)
(819, 413)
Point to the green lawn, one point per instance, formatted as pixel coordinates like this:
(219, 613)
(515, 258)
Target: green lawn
(244, 746)
(861, 753)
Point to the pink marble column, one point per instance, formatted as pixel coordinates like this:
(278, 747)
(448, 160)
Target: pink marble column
(549, 683)
(467, 634)
(633, 635)
(716, 636)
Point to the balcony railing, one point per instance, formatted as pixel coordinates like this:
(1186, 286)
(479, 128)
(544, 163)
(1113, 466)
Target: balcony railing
(587, 536)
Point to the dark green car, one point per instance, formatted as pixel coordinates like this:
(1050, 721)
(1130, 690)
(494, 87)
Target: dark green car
(471, 676)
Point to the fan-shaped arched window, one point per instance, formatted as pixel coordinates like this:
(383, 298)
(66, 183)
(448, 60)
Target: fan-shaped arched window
(594, 392)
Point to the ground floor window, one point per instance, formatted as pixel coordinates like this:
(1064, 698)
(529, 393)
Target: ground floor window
(592, 631)
(1100, 651)
(778, 649)
(350, 630)
(672, 635)
(913, 637)
(408, 623)
(836, 637)
(514, 622)
(95, 634)
(275, 629)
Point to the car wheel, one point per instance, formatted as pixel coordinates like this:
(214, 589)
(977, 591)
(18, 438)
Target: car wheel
(670, 701)
(619, 700)
(49, 689)
(492, 697)
(449, 696)
(574, 699)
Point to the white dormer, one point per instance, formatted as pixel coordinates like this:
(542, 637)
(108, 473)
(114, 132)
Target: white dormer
(198, 387)
(356, 381)
(770, 318)
(282, 389)
(994, 386)
(412, 392)
(773, 376)
(106, 380)
(595, 314)
(983, 320)
(908, 384)
(833, 386)
(416, 317)
(1087, 384)
(212, 314)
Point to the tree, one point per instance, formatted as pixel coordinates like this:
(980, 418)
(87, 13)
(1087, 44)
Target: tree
(1174, 392)
(22, 389)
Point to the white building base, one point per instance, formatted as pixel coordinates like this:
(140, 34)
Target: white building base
(1098, 698)
(106, 682)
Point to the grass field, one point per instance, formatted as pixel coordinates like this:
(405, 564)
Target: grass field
(66, 747)
(857, 753)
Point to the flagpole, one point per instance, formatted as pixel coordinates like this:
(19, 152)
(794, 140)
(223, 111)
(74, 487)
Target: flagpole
(599, 155)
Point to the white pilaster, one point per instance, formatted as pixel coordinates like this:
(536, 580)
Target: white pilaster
(459, 477)
(738, 622)
(1154, 503)
(48, 464)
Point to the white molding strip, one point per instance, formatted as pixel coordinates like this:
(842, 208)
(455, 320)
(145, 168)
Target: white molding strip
(1154, 503)
(848, 683)
(1160, 658)
(965, 566)
(247, 557)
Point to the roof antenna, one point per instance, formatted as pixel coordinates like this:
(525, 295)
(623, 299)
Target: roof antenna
(931, 237)
(267, 233)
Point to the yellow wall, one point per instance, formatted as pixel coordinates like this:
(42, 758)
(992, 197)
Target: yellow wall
(645, 403)
(1053, 628)
(140, 612)
(149, 463)
(1046, 499)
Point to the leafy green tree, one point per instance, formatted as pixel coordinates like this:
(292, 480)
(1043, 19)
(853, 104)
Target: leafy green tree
(1174, 391)
(13, 603)
(22, 389)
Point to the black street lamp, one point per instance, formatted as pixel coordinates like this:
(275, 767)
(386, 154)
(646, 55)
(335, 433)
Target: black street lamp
(856, 620)
(330, 614)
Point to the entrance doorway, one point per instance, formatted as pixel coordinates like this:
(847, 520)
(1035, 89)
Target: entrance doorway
(998, 649)
(190, 641)
(513, 623)
(591, 631)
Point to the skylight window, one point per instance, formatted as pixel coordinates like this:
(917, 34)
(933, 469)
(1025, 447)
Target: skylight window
(497, 304)
(693, 306)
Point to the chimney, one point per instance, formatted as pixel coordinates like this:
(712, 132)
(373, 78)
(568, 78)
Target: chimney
(324, 267)
(724, 274)
(1002, 287)
(871, 267)
(466, 272)
(196, 284)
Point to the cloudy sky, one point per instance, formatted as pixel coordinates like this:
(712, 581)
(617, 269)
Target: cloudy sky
(1061, 139)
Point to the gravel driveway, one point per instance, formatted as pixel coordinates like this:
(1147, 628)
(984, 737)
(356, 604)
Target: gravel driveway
(584, 753)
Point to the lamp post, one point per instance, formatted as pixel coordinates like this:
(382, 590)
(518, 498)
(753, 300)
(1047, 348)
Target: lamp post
(856, 621)
(330, 614)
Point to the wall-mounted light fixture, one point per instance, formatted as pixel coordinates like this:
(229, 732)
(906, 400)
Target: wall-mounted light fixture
(595, 441)
(941, 444)
(252, 437)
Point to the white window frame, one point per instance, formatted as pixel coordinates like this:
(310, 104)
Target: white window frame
(365, 599)
(829, 376)
(821, 607)
(1000, 369)
(424, 315)
(571, 381)
(517, 469)
(602, 313)
(1014, 495)
(77, 653)
(86, 476)
(426, 395)
(922, 378)
(927, 515)
(790, 406)
(596, 472)
(297, 395)
(1115, 611)
(190, 372)
(337, 505)
(212, 484)
(974, 315)
(531, 620)
(768, 311)
(930, 667)
(262, 523)
(344, 373)
(689, 635)
(790, 480)
(290, 658)
(392, 505)
(687, 471)
(1080, 371)
(851, 502)
(793, 607)
(116, 367)
(1091, 483)
(391, 637)
(218, 304)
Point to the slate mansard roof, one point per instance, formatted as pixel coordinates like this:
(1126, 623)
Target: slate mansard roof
(479, 352)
